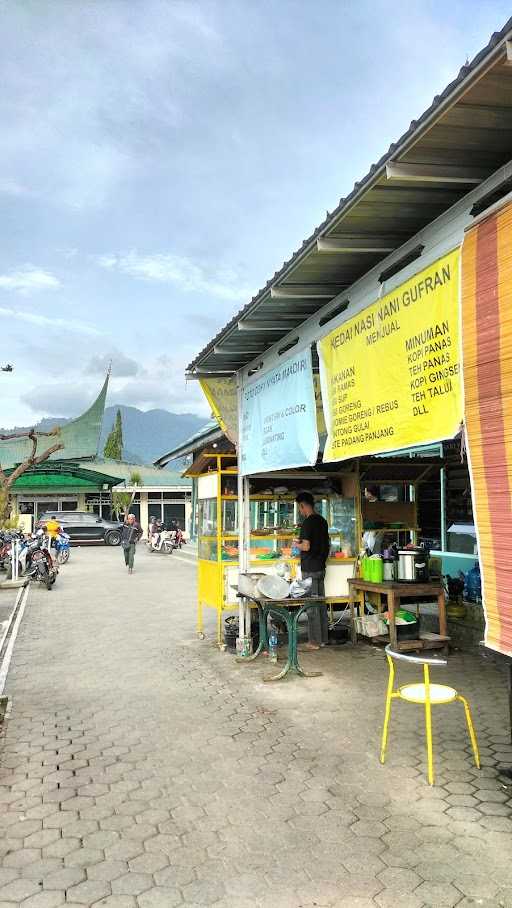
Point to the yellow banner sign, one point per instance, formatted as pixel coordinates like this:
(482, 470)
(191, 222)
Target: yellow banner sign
(391, 375)
(221, 394)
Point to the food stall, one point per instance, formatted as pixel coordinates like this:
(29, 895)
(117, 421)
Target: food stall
(339, 492)
(274, 524)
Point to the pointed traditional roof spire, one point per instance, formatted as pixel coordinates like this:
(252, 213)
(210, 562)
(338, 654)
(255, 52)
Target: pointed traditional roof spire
(80, 436)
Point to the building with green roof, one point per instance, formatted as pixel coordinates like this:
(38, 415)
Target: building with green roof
(77, 478)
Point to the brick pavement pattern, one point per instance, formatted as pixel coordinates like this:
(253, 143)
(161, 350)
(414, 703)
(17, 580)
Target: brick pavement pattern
(141, 768)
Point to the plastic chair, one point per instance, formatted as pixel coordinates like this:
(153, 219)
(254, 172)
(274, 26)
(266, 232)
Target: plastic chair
(427, 695)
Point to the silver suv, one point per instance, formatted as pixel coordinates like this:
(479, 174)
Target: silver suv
(83, 526)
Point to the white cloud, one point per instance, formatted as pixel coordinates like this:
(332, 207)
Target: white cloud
(45, 321)
(187, 275)
(122, 366)
(12, 187)
(58, 400)
(28, 279)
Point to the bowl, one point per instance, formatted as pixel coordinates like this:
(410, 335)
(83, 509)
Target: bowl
(273, 587)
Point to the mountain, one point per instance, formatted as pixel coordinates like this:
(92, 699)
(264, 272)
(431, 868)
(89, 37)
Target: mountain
(151, 433)
(146, 434)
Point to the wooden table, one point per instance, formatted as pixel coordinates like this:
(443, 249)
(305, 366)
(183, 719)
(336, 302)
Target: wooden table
(395, 592)
(289, 610)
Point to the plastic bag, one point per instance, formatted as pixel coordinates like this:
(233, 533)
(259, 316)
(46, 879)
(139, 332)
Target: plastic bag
(299, 588)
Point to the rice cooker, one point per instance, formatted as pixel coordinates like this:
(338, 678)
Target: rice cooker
(413, 565)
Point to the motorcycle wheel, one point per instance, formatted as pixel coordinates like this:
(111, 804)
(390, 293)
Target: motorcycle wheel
(44, 577)
(63, 556)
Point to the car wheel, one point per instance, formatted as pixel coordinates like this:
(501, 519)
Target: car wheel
(113, 538)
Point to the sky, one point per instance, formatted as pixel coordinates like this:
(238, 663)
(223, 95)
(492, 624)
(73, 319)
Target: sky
(160, 159)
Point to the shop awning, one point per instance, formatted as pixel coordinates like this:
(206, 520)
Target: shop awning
(378, 470)
(65, 476)
(204, 463)
(459, 141)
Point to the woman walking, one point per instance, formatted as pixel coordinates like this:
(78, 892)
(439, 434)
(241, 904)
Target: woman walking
(129, 539)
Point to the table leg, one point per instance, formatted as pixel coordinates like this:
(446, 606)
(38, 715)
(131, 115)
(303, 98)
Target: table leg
(353, 632)
(391, 616)
(441, 606)
(295, 665)
(263, 644)
(292, 621)
(288, 618)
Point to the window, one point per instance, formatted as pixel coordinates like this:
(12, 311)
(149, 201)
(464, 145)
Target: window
(155, 510)
(174, 512)
(167, 506)
(26, 507)
(99, 503)
(45, 506)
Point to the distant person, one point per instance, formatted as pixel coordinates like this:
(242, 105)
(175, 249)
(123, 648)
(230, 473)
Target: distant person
(129, 539)
(154, 528)
(52, 529)
(314, 543)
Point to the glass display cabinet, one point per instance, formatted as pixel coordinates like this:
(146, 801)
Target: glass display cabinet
(274, 521)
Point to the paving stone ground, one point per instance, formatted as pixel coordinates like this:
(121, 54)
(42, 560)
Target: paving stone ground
(142, 768)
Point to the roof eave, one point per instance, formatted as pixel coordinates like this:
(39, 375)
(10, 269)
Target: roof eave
(468, 75)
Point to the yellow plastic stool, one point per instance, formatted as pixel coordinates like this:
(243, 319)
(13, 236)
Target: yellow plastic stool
(427, 695)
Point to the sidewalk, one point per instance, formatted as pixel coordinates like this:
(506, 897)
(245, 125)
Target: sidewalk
(142, 768)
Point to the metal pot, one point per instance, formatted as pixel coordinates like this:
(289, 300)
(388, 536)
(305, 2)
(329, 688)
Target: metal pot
(413, 565)
(407, 565)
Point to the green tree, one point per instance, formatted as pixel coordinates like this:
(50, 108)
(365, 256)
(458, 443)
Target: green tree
(8, 479)
(114, 443)
(121, 500)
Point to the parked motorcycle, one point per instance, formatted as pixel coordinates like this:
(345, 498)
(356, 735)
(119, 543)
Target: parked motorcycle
(34, 560)
(5, 549)
(62, 545)
(7, 539)
(164, 541)
(180, 538)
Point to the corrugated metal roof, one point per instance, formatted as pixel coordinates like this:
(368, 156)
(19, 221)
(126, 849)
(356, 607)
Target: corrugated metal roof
(80, 437)
(468, 125)
(208, 433)
(149, 475)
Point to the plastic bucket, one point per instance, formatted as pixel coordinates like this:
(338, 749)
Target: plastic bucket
(377, 570)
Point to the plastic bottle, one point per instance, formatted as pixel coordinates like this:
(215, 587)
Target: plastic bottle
(272, 645)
